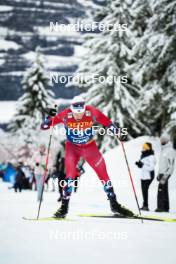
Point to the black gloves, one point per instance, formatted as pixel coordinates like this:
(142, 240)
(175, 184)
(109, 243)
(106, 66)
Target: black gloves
(139, 164)
(52, 111)
(162, 178)
(46, 123)
(159, 177)
(116, 130)
(122, 137)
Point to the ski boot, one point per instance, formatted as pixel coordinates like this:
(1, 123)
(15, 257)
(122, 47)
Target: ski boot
(65, 198)
(63, 210)
(144, 208)
(115, 206)
(159, 210)
(118, 208)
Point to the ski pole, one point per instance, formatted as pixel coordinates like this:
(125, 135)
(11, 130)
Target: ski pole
(46, 167)
(131, 179)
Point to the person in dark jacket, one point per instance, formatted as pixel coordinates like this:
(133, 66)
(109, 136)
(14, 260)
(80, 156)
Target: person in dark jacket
(166, 169)
(59, 171)
(19, 179)
(147, 165)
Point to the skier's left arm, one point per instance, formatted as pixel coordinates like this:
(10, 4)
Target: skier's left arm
(105, 121)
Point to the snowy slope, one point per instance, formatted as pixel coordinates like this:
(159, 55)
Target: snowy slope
(118, 172)
(86, 240)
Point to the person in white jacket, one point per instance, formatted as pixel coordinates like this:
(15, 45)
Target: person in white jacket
(166, 169)
(147, 164)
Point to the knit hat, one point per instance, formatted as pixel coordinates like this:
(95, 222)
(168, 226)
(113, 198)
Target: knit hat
(147, 146)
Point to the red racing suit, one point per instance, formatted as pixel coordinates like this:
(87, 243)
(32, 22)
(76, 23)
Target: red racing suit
(82, 144)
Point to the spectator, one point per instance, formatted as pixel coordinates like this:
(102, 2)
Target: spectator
(28, 175)
(59, 171)
(3, 166)
(166, 169)
(147, 165)
(38, 161)
(19, 179)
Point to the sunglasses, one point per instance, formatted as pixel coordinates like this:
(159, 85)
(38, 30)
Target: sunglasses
(78, 105)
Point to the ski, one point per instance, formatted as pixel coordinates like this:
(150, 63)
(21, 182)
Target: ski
(115, 216)
(148, 218)
(47, 219)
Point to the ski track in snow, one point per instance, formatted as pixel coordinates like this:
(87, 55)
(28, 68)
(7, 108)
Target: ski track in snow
(87, 240)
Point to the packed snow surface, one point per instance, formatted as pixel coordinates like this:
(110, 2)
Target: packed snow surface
(88, 240)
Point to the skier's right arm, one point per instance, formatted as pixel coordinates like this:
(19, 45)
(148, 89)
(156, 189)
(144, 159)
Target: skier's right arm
(46, 123)
(51, 121)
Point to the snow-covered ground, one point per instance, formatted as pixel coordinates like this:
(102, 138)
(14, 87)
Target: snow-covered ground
(7, 110)
(87, 240)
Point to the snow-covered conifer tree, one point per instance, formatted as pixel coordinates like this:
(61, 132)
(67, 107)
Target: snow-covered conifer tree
(31, 106)
(155, 67)
(140, 12)
(108, 56)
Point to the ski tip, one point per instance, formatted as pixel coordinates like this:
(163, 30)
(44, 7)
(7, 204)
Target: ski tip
(26, 218)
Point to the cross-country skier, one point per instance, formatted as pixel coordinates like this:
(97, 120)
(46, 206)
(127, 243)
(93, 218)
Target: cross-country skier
(81, 117)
